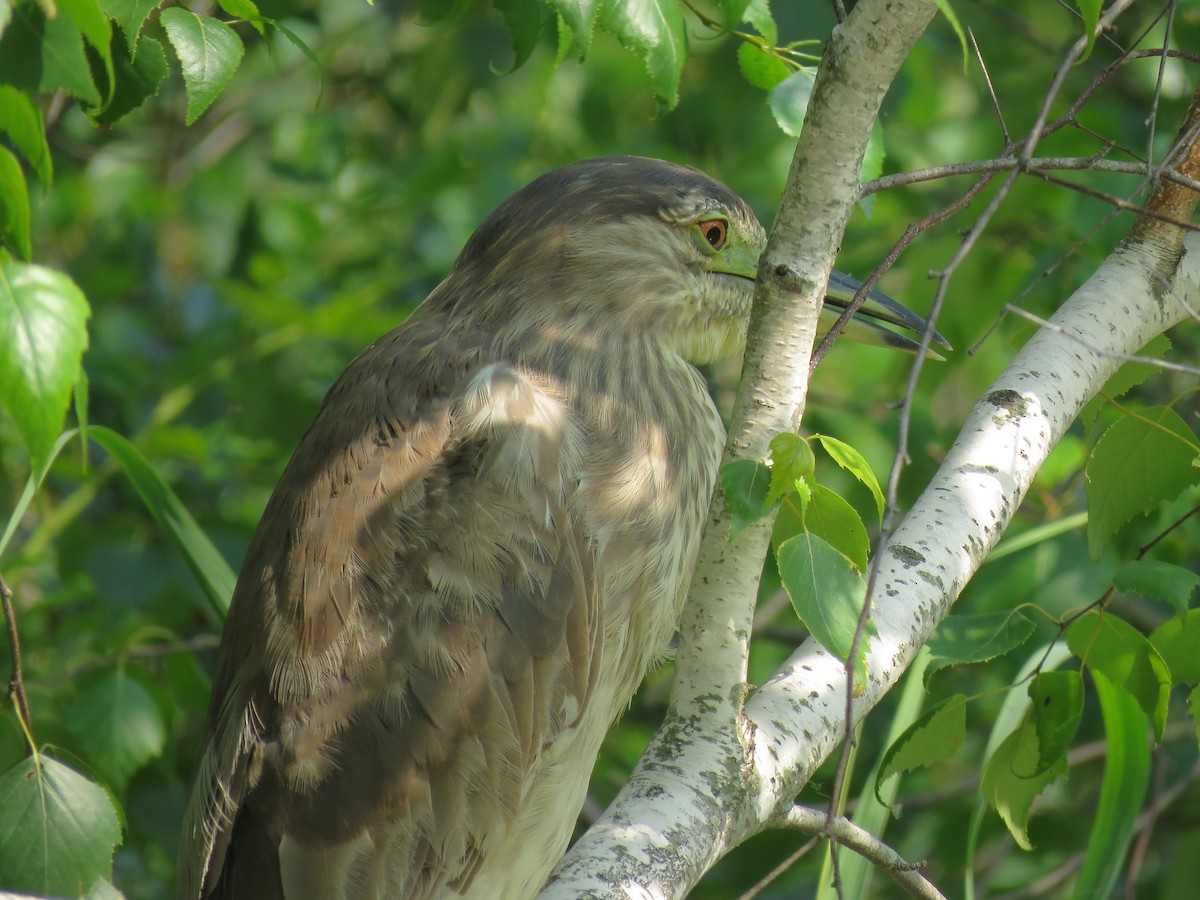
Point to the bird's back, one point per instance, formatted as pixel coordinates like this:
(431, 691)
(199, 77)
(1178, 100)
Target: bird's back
(467, 567)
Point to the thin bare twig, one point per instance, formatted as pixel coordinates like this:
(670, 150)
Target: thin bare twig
(16, 682)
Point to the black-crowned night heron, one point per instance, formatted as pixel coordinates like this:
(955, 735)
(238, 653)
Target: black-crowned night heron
(478, 549)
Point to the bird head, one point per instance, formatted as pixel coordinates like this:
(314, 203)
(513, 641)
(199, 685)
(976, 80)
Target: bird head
(634, 246)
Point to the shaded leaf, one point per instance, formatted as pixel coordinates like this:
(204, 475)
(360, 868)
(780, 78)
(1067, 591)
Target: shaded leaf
(209, 52)
(58, 830)
(1122, 791)
(43, 331)
(1153, 578)
(789, 101)
(1177, 640)
(656, 31)
(936, 735)
(826, 591)
(137, 77)
(1056, 707)
(791, 459)
(524, 20)
(14, 206)
(120, 724)
(1008, 792)
(745, 484)
(206, 562)
(22, 121)
(41, 55)
(1129, 376)
(1113, 647)
(964, 639)
(1138, 464)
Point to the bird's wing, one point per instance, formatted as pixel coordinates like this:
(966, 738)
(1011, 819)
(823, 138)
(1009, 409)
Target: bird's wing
(412, 626)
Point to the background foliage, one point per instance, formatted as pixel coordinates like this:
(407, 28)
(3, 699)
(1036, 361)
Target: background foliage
(335, 157)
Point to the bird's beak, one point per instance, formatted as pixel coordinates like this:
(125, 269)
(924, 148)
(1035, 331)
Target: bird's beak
(878, 307)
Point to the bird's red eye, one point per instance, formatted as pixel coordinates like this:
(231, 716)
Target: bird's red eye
(714, 231)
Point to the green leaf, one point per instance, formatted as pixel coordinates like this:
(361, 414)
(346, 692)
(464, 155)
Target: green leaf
(948, 11)
(40, 55)
(1122, 791)
(1009, 792)
(131, 15)
(1129, 376)
(215, 576)
(1089, 11)
(524, 20)
(656, 31)
(1056, 707)
(119, 724)
(14, 206)
(580, 17)
(246, 10)
(1113, 647)
(758, 14)
(936, 735)
(745, 484)
(92, 22)
(1176, 641)
(826, 591)
(854, 463)
(58, 830)
(209, 53)
(731, 13)
(789, 101)
(137, 78)
(760, 66)
(22, 121)
(962, 639)
(1153, 578)
(43, 332)
(831, 518)
(442, 12)
(791, 459)
(1138, 464)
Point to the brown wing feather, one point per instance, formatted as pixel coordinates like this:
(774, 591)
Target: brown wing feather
(412, 626)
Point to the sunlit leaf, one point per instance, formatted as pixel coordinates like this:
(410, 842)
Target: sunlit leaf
(580, 18)
(209, 52)
(856, 464)
(43, 332)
